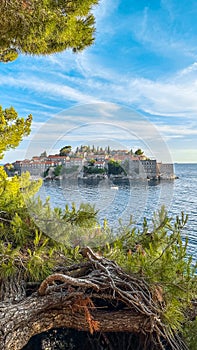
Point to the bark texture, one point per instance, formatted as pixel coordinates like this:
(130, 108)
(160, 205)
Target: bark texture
(96, 297)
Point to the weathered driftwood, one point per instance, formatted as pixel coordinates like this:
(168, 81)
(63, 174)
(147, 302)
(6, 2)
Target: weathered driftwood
(95, 296)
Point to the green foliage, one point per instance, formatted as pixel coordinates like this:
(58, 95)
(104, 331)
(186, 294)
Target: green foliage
(91, 162)
(8, 55)
(94, 170)
(84, 216)
(70, 227)
(139, 152)
(46, 172)
(34, 251)
(57, 170)
(17, 230)
(13, 191)
(31, 251)
(40, 259)
(84, 148)
(115, 168)
(44, 26)
(159, 254)
(12, 129)
(64, 151)
(190, 333)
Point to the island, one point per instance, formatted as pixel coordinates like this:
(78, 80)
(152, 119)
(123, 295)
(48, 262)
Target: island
(90, 162)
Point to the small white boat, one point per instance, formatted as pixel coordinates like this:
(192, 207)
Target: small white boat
(114, 187)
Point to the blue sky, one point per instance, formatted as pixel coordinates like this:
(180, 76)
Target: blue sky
(135, 87)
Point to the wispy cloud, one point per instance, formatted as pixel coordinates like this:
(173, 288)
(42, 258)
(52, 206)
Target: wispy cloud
(93, 82)
(174, 96)
(102, 14)
(163, 31)
(47, 87)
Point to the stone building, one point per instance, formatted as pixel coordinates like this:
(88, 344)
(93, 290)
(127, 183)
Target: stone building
(149, 168)
(165, 171)
(140, 169)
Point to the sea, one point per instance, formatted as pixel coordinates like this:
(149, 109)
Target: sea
(118, 200)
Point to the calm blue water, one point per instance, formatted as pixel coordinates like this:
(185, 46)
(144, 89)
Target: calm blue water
(120, 200)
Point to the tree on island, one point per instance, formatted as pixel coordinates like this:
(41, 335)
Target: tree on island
(108, 150)
(64, 151)
(91, 170)
(91, 162)
(57, 170)
(43, 154)
(115, 168)
(40, 27)
(139, 152)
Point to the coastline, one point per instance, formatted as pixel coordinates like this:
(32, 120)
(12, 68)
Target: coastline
(113, 178)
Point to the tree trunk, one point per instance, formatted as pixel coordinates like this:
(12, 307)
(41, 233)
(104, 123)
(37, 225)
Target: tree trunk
(34, 315)
(12, 289)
